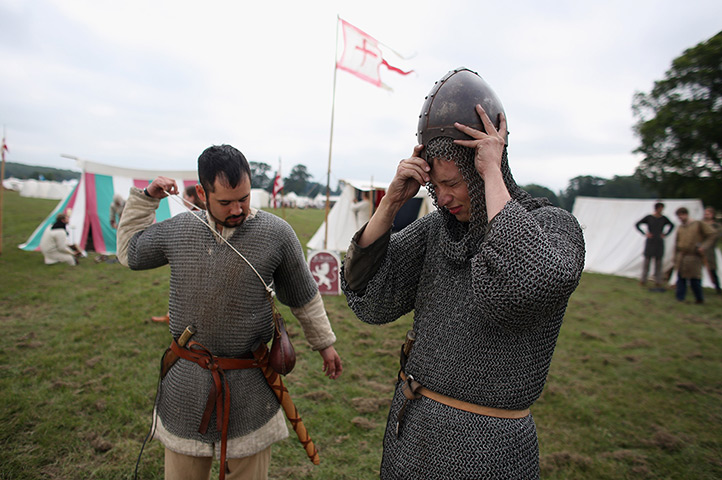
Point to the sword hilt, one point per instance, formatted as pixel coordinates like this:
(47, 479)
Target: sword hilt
(409, 343)
(186, 335)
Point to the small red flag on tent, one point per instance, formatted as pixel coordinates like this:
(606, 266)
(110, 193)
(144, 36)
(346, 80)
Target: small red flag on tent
(362, 55)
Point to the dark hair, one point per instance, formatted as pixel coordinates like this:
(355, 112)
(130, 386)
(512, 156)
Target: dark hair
(222, 162)
(658, 205)
(190, 191)
(682, 210)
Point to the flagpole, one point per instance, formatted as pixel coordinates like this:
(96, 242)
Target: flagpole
(2, 189)
(330, 142)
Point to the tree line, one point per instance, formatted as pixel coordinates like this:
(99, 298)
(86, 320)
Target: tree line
(589, 186)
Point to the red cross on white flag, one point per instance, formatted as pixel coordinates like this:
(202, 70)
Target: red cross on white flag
(362, 55)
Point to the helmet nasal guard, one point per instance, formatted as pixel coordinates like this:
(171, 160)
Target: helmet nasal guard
(452, 99)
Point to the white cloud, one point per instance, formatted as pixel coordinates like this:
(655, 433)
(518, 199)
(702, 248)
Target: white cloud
(154, 83)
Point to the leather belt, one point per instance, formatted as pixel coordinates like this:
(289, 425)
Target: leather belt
(220, 394)
(413, 390)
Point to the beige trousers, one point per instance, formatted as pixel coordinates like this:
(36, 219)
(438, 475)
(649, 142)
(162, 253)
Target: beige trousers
(185, 467)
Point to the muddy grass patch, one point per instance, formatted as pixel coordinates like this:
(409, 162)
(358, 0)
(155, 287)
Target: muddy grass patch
(562, 461)
(369, 404)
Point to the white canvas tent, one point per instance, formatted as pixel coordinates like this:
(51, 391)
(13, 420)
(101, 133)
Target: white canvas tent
(613, 244)
(342, 221)
(88, 204)
(260, 198)
(48, 189)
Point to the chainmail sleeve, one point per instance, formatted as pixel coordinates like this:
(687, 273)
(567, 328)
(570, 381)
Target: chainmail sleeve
(391, 292)
(295, 285)
(145, 250)
(533, 275)
(139, 215)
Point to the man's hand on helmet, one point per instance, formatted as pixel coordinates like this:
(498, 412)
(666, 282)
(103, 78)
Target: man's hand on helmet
(489, 147)
(411, 173)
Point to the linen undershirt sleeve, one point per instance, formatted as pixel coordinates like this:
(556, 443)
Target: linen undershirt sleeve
(362, 263)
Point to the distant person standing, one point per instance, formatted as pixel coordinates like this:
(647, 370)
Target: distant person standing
(362, 210)
(116, 210)
(654, 246)
(54, 243)
(709, 219)
(694, 238)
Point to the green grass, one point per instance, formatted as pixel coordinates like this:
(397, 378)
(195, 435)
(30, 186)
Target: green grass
(634, 391)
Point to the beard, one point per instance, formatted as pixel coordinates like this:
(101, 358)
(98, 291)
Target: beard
(229, 222)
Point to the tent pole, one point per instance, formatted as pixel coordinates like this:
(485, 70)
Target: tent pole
(330, 142)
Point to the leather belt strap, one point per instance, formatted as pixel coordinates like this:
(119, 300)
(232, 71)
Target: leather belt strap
(220, 394)
(413, 390)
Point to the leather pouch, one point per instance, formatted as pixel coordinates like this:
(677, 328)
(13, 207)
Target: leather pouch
(282, 356)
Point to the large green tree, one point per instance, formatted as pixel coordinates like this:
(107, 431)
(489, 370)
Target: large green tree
(259, 175)
(680, 126)
(540, 191)
(583, 185)
(296, 180)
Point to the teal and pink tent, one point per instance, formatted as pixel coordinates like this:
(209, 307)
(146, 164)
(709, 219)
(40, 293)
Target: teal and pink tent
(88, 204)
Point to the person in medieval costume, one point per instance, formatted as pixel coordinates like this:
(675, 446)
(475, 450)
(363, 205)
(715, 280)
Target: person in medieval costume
(694, 238)
(54, 243)
(218, 299)
(658, 227)
(361, 209)
(488, 276)
(116, 210)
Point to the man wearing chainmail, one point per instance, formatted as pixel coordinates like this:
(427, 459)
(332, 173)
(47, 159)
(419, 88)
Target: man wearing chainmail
(488, 276)
(217, 293)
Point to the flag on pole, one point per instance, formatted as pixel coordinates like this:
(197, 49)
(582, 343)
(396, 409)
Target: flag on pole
(5, 146)
(277, 187)
(362, 56)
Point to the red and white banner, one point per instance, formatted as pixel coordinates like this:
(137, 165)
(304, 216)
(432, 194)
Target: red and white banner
(362, 56)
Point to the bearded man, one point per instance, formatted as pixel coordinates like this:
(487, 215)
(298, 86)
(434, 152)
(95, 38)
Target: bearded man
(693, 239)
(214, 291)
(488, 276)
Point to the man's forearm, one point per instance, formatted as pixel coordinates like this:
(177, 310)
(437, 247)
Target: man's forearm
(139, 214)
(380, 223)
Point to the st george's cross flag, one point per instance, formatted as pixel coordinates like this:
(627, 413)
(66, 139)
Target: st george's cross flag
(362, 56)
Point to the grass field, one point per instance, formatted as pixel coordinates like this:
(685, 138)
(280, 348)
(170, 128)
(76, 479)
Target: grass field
(634, 391)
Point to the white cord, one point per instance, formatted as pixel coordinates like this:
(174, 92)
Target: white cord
(181, 201)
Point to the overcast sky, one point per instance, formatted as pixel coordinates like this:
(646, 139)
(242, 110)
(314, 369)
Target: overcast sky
(150, 84)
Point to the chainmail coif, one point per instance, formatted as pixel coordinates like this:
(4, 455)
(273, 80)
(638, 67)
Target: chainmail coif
(488, 306)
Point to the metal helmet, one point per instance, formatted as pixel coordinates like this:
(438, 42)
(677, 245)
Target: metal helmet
(452, 99)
